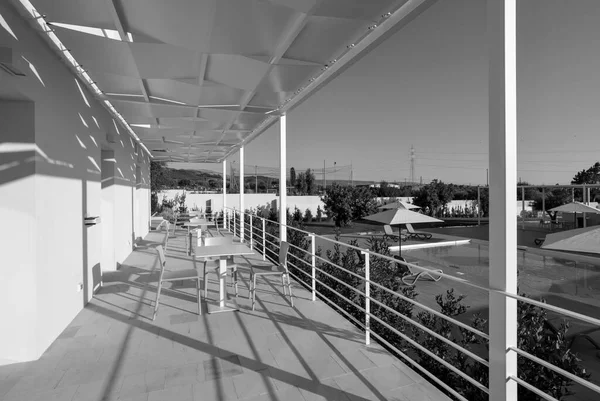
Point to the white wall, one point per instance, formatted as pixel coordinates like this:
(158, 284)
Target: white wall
(47, 250)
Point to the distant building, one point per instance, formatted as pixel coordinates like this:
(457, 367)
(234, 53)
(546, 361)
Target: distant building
(377, 186)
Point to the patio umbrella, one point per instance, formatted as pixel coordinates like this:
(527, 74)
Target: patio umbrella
(401, 216)
(580, 240)
(399, 205)
(575, 207)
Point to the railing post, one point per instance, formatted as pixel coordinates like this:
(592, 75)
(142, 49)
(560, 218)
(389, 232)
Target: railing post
(264, 240)
(241, 230)
(234, 218)
(224, 219)
(313, 265)
(251, 239)
(367, 300)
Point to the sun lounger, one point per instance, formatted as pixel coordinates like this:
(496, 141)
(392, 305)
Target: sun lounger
(416, 234)
(387, 229)
(415, 274)
(539, 241)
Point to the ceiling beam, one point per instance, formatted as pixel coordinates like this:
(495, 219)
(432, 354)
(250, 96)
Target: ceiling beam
(201, 73)
(114, 8)
(184, 106)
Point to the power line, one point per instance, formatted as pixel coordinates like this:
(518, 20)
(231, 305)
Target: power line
(518, 151)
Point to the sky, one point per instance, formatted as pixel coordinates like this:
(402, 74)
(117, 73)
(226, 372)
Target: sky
(427, 87)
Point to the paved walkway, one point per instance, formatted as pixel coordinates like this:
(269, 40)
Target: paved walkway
(114, 351)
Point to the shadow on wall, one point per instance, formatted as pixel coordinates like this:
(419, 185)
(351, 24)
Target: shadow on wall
(21, 158)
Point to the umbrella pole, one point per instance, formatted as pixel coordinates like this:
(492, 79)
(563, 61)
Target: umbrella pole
(400, 240)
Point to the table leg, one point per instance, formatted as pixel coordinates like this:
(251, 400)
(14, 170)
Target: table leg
(222, 282)
(224, 304)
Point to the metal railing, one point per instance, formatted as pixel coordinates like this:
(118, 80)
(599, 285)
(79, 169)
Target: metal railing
(260, 239)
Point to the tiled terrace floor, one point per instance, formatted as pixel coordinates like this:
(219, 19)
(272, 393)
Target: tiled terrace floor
(113, 350)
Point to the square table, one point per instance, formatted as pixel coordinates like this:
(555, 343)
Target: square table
(223, 252)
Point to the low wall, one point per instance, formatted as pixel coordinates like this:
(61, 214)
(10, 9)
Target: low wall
(251, 201)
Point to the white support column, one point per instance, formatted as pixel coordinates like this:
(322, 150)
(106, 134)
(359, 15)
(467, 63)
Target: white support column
(282, 177)
(589, 192)
(242, 220)
(225, 194)
(367, 298)
(501, 24)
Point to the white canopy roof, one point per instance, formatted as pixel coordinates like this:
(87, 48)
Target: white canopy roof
(197, 79)
(575, 207)
(401, 216)
(579, 240)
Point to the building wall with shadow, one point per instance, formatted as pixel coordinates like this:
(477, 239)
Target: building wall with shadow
(52, 134)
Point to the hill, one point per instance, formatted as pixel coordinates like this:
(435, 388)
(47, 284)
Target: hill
(203, 178)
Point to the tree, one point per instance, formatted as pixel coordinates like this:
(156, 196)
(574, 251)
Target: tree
(311, 187)
(338, 204)
(344, 203)
(362, 202)
(554, 198)
(301, 184)
(530, 193)
(308, 215)
(434, 196)
(484, 196)
(589, 176)
(159, 181)
(159, 176)
(297, 216)
(184, 182)
(319, 213)
(292, 177)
